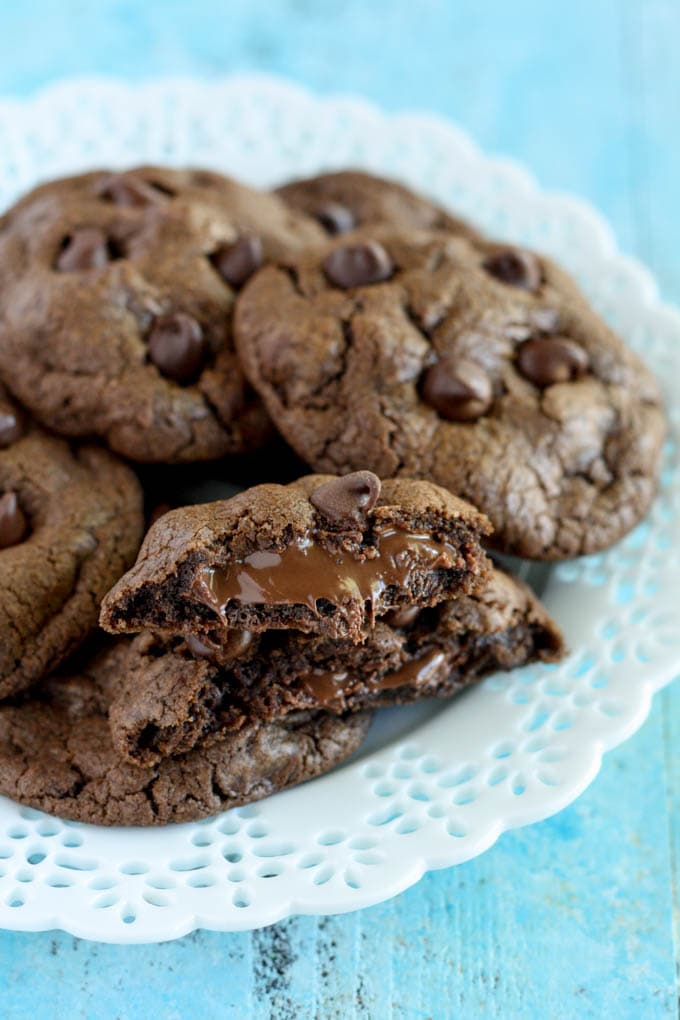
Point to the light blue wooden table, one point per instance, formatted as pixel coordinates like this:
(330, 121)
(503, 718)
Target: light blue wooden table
(573, 918)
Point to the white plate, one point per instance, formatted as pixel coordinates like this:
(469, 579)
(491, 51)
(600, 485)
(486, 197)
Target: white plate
(440, 782)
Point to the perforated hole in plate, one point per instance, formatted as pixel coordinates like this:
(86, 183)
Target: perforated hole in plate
(15, 899)
(229, 825)
(106, 899)
(73, 863)
(461, 775)
(362, 843)
(497, 775)
(241, 898)
(611, 708)
(48, 828)
(418, 792)
(538, 718)
(202, 838)
(134, 868)
(407, 825)
(310, 861)
(402, 770)
(385, 789)
(202, 880)
(387, 815)
(189, 863)
(503, 750)
(352, 879)
(562, 721)
(160, 882)
(232, 854)
(128, 914)
(466, 795)
(72, 840)
(236, 875)
(248, 811)
(455, 828)
(323, 875)
(330, 838)
(36, 857)
(59, 881)
(155, 898)
(270, 870)
(257, 830)
(29, 813)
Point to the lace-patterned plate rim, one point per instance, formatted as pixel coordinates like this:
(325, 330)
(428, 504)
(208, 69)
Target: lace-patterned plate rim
(436, 785)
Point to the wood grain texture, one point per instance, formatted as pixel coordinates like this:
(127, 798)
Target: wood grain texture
(573, 918)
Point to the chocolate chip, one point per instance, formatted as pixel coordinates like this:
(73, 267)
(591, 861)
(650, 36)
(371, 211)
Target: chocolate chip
(516, 267)
(335, 218)
(130, 192)
(457, 389)
(11, 425)
(347, 500)
(550, 360)
(85, 248)
(403, 617)
(237, 262)
(177, 347)
(357, 265)
(13, 523)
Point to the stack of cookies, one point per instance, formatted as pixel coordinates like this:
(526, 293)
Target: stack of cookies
(170, 335)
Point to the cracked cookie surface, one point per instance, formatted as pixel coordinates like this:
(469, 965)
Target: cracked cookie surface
(476, 365)
(71, 523)
(177, 695)
(56, 755)
(116, 297)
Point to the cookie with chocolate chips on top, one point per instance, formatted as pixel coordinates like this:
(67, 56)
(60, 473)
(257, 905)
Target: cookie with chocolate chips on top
(180, 693)
(476, 365)
(116, 298)
(323, 555)
(56, 754)
(70, 524)
(347, 199)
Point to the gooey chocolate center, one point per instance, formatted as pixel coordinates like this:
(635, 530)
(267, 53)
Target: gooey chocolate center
(328, 688)
(305, 572)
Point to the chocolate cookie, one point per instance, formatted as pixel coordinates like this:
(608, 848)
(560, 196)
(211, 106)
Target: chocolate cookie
(70, 525)
(478, 366)
(177, 694)
(56, 755)
(322, 555)
(349, 199)
(116, 295)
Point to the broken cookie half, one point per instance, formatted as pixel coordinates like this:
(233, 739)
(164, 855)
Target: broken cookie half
(325, 556)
